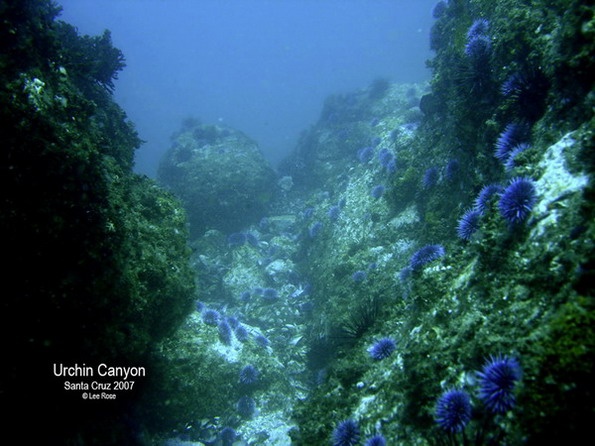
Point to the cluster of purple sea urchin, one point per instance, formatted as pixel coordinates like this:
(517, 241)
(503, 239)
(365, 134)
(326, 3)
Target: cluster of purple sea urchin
(510, 143)
(226, 326)
(497, 381)
(515, 204)
(382, 349)
(346, 433)
(478, 44)
(387, 160)
(425, 255)
(478, 50)
(453, 410)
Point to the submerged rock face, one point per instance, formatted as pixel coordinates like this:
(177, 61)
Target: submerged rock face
(97, 268)
(220, 175)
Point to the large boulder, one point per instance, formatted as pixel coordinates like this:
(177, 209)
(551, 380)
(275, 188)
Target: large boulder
(220, 175)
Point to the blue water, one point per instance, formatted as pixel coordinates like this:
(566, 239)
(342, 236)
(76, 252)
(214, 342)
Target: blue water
(261, 66)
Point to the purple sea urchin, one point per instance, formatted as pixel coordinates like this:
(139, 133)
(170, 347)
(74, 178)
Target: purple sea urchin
(249, 374)
(233, 321)
(478, 49)
(387, 160)
(517, 200)
(509, 164)
(346, 433)
(527, 90)
(359, 276)
(262, 341)
(365, 154)
(270, 295)
(246, 407)
(486, 193)
(377, 191)
(425, 255)
(430, 178)
(211, 317)
(453, 410)
(497, 381)
(225, 333)
(384, 156)
(333, 212)
(315, 229)
(512, 135)
(382, 349)
(479, 27)
(468, 224)
(228, 435)
(376, 440)
(242, 334)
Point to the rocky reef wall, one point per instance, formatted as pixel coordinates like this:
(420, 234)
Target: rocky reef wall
(423, 275)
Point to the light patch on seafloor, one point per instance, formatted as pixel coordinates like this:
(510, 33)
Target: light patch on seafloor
(403, 245)
(363, 407)
(407, 217)
(267, 428)
(231, 353)
(555, 182)
(463, 279)
(241, 275)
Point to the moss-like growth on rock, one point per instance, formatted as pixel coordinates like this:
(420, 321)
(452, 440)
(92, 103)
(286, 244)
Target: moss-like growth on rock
(96, 264)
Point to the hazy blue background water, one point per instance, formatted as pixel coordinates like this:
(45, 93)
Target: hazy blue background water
(261, 66)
